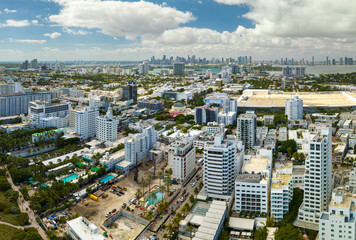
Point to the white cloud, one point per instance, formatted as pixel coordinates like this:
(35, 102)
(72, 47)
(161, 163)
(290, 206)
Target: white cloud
(120, 18)
(53, 35)
(301, 18)
(6, 10)
(34, 22)
(16, 23)
(32, 41)
(75, 32)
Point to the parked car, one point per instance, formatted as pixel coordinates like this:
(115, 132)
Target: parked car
(114, 210)
(153, 237)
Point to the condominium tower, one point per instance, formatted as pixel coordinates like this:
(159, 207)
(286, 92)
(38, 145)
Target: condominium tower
(318, 182)
(246, 129)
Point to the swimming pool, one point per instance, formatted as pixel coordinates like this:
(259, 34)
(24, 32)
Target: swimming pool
(159, 197)
(70, 178)
(106, 179)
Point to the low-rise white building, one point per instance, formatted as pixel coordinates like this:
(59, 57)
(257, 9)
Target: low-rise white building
(339, 222)
(252, 185)
(281, 190)
(82, 229)
(109, 161)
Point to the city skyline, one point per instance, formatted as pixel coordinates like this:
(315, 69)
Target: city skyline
(116, 30)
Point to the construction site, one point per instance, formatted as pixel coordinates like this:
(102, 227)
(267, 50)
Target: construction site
(104, 207)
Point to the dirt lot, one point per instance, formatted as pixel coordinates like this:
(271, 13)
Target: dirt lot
(124, 228)
(95, 211)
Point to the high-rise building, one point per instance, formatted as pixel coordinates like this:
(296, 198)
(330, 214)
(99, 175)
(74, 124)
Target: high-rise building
(221, 165)
(246, 129)
(294, 108)
(318, 182)
(143, 68)
(178, 68)
(138, 146)
(226, 103)
(85, 120)
(10, 87)
(15, 104)
(34, 64)
(181, 157)
(130, 92)
(44, 114)
(339, 222)
(106, 127)
(205, 114)
(150, 104)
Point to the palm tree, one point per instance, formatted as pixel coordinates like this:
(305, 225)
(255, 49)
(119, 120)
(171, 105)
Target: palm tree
(196, 191)
(143, 185)
(190, 229)
(138, 193)
(149, 215)
(176, 221)
(170, 228)
(162, 188)
(165, 236)
(160, 175)
(149, 179)
(153, 196)
(168, 182)
(160, 207)
(170, 171)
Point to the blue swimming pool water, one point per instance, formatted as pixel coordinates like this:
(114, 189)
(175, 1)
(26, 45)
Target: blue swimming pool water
(159, 196)
(69, 178)
(106, 178)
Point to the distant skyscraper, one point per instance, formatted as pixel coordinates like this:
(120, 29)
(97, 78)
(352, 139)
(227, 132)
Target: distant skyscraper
(313, 62)
(34, 64)
(130, 91)
(294, 108)
(143, 68)
(327, 60)
(178, 68)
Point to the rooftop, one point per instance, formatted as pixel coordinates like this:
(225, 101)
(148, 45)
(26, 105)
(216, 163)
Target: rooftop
(255, 165)
(281, 180)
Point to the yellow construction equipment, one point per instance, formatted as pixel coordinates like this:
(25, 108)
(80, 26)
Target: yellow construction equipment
(95, 198)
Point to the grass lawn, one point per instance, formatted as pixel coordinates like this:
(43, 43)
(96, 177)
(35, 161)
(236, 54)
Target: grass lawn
(9, 217)
(11, 233)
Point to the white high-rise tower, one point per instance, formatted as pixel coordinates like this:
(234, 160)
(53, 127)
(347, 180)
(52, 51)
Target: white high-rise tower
(318, 182)
(294, 108)
(106, 127)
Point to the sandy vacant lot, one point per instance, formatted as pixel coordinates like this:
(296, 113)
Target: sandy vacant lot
(309, 99)
(125, 229)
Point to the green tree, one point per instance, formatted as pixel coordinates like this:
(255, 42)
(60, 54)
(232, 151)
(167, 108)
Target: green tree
(288, 232)
(261, 233)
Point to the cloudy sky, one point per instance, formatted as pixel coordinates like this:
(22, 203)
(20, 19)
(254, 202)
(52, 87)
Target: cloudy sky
(136, 30)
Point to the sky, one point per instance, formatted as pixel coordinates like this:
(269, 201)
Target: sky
(68, 30)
